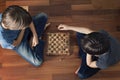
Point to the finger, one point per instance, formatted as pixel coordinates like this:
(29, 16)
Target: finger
(60, 27)
(33, 44)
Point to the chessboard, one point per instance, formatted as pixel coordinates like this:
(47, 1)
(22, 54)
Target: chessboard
(58, 43)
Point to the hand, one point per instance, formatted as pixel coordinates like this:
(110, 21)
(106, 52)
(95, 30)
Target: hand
(88, 59)
(63, 27)
(90, 62)
(15, 43)
(34, 41)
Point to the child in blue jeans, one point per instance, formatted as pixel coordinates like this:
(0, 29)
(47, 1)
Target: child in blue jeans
(18, 28)
(98, 50)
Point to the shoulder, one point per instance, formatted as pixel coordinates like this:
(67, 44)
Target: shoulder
(113, 41)
(104, 32)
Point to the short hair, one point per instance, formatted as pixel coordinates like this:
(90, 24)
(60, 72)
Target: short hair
(16, 17)
(95, 43)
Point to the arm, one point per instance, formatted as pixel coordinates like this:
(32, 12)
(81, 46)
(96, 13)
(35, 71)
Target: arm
(35, 36)
(19, 39)
(73, 28)
(91, 63)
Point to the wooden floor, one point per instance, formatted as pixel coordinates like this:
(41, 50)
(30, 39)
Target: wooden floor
(93, 14)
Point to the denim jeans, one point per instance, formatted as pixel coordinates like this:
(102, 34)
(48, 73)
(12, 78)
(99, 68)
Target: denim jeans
(35, 55)
(85, 71)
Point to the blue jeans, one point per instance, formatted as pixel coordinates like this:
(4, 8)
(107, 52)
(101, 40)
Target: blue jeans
(85, 71)
(35, 55)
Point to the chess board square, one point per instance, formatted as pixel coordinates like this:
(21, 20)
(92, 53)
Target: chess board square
(58, 43)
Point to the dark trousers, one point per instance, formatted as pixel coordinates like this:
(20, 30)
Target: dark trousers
(85, 71)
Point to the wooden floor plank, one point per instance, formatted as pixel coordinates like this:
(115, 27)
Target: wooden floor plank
(28, 3)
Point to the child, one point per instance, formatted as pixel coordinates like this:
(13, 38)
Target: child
(17, 28)
(98, 50)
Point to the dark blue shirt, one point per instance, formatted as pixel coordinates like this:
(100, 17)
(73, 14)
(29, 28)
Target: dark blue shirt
(7, 36)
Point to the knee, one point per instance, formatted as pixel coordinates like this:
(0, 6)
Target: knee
(37, 63)
(43, 16)
(82, 76)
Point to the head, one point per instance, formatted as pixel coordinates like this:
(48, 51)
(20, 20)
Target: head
(15, 18)
(95, 43)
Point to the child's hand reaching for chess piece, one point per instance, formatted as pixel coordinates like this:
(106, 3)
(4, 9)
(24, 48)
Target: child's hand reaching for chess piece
(63, 27)
(74, 28)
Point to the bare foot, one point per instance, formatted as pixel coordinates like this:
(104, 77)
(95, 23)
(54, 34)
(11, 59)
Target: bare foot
(47, 25)
(76, 72)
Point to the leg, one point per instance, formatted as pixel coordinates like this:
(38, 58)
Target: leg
(85, 71)
(81, 52)
(39, 49)
(25, 51)
(79, 37)
(39, 22)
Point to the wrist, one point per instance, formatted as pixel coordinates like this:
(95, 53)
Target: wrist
(35, 34)
(69, 27)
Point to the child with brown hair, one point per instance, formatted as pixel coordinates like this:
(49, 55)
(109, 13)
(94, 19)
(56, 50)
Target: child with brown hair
(17, 28)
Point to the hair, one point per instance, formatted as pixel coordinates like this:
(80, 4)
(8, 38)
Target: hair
(15, 17)
(95, 43)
